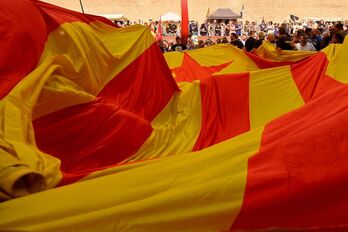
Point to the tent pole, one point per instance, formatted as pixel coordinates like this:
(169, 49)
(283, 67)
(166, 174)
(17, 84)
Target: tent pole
(82, 7)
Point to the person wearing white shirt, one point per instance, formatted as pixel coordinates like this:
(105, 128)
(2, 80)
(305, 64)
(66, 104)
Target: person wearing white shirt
(303, 45)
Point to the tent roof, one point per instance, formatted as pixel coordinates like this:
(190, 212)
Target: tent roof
(223, 13)
(112, 16)
(170, 16)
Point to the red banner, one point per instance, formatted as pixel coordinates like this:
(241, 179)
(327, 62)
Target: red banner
(184, 21)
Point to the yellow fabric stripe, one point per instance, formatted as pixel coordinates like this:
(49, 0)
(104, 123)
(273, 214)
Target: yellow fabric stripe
(240, 63)
(176, 128)
(268, 51)
(273, 92)
(61, 79)
(87, 65)
(337, 54)
(18, 153)
(221, 54)
(200, 191)
(213, 55)
(174, 59)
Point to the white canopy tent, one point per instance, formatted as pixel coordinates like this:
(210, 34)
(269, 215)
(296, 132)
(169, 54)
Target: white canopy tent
(325, 19)
(112, 16)
(170, 16)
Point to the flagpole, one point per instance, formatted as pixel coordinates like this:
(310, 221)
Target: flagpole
(82, 7)
(184, 21)
(242, 16)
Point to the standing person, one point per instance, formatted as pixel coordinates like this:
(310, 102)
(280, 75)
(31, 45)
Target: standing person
(315, 38)
(211, 28)
(250, 42)
(178, 46)
(228, 28)
(270, 28)
(203, 30)
(246, 27)
(284, 41)
(252, 27)
(172, 29)
(276, 29)
(244, 37)
(238, 28)
(263, 26)
(218, 29)
(223, 27)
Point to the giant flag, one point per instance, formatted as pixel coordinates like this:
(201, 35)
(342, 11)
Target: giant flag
(96, 135)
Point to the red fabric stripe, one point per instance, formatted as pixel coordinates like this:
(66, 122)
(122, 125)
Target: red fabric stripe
(190, 70)
(307, 74)
(23, 38)
(225, 108)
(55, 16)
(93, 136)
(89, 136)
(21, 42)
(298, 179)
(144, 87)
(264, 63)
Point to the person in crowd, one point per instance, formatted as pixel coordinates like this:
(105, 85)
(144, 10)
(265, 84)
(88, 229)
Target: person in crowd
(327, 38)
(315, 38)
(190, 44)
(228, 28)
(223, 28)
(301, 43)
(162, 46)
(235, 41)
(218, 29)
(170, 45)
(337, 38)
(172, 29)
(209, 42)
(261, 36)
(193, 28)
(271, 38)
(211, 28)
(224, 40)
(246, 28)
(263, 26)
(203, 30)
(284, 41)
(178, 46)
(232, 27)
(252, 27)
(243, 38)
(276, 29)
(201, 44)
(339, 29)
(270, 27)
(238, 28)
(250, 42)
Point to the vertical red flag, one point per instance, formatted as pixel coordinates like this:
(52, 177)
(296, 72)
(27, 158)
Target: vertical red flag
(159, 29)
(184, 21)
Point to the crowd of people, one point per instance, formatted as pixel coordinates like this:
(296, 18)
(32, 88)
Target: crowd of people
(306, 35)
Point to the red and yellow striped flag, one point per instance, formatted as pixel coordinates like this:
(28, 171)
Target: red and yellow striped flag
(240, 142)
